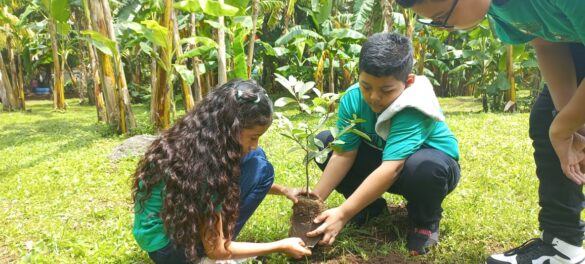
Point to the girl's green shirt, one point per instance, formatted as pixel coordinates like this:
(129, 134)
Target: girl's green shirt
(520, 21)
(148, 227)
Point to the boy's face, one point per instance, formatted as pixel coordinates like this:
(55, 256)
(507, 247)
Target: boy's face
(466, 13)
(380, 92)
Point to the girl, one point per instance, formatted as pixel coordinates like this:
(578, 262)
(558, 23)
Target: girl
(202, 179)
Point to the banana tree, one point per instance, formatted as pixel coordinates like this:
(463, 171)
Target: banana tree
(17, 35)
(117, 99)
(331, 46)
(58, 14)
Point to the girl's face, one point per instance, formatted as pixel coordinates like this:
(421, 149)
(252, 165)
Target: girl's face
(466, 13)
(249, 137)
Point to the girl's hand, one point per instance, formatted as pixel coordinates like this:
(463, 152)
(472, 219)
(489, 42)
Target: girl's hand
(294, 247)
(292, 193)
(571, 152)
(333, 221)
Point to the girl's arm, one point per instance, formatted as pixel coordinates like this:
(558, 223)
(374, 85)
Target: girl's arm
(215, 246)
(290, 193)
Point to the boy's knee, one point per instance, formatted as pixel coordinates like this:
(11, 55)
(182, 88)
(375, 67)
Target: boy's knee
(427, 171)
(325, 137)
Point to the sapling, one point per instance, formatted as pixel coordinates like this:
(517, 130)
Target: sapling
(303, 134)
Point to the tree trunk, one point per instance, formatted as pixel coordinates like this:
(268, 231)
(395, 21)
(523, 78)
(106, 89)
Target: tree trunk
(162, 91)
(221, 62)
(6, 92)
(331, 74)
(118, 111)
(195, 64)
(252, 38)
(187, 95)
(387, 13)
(127, 120)
(76, 85)
(153, 114)
(21, 84)
(16, 85)
(58, 82)
(94, 71)
(511, 104)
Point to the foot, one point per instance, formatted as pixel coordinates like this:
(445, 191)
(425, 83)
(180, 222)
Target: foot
(420, 240)
(537, 250)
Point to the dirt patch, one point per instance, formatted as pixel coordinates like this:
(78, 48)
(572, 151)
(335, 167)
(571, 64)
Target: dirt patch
(386, 228)
(5, 256)
(304, 211)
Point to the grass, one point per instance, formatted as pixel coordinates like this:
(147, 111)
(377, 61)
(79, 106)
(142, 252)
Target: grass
(62, 201)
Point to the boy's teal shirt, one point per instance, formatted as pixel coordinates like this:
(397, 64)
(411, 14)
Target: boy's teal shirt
(520, 21)
(410, 130)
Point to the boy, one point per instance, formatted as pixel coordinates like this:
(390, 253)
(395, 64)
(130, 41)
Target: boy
(556, 29)
(412, 152)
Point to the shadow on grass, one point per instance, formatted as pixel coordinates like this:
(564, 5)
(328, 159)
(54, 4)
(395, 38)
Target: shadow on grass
(69, 135)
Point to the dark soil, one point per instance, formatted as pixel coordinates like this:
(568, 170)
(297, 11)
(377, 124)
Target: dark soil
(383, 229)
(304, 211)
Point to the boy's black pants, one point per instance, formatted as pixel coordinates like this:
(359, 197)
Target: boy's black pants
(561, 200)
(427, 177)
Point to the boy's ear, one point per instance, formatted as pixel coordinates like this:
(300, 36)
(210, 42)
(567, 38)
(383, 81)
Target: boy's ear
(409, 80)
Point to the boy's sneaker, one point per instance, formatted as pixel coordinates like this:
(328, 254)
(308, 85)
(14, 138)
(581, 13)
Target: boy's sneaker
(541, 250)
(419, 240)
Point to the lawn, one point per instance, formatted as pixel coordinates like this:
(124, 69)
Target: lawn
(63, 201)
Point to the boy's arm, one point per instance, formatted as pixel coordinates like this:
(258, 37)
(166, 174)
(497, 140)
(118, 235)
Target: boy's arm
(378, 182)
(337, 167)
(557, 67)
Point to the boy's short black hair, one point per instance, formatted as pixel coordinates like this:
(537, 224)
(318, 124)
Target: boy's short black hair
(387, 54)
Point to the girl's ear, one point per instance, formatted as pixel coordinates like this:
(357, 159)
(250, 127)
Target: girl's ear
(410, 80)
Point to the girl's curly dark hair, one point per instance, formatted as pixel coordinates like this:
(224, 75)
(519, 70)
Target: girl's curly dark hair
(198, 160)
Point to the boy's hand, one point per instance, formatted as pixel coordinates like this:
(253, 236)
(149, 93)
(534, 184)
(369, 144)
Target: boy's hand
(571, 152)
(333, 221)
(294, 247)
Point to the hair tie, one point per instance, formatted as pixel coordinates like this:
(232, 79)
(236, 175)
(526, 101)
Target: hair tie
(239, 97)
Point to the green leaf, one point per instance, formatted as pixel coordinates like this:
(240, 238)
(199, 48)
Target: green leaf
(363, 10)
(156, 33)
(345, 33)
(63, 29)
(318, 142)
(101, 42)
(186, 74)
(295, 32)
(209, 7)
(197, 52)
(240, 66)
(146, 48)
(361, 134)
(205, 41)
(60, 10)
(283, 101)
